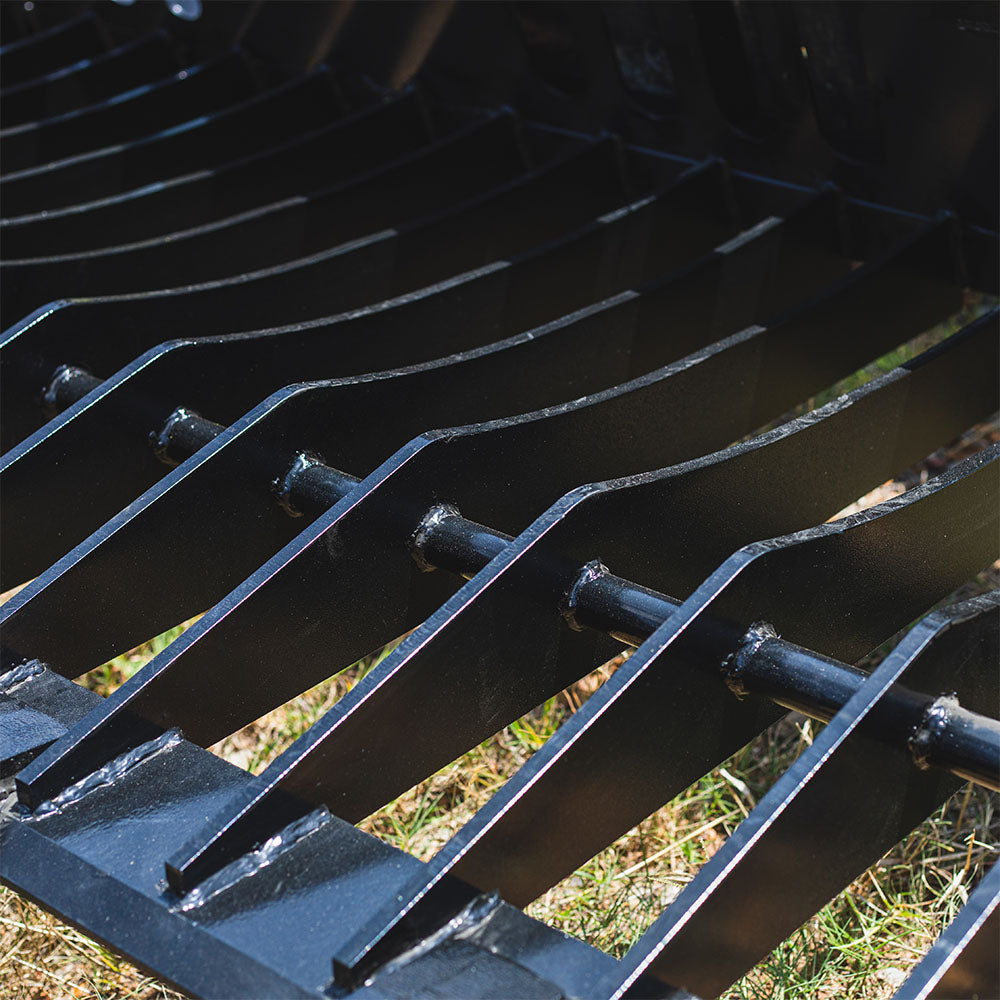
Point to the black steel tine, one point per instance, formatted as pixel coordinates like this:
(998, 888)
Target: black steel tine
(590, 335)
(725, 915)
(461, 165)
(278, 115)
(504, 297)
(130, 65)
(582, 352)
(196, 90)
(666, 711)
(372, 441)
(584, 438)
(18, 25)
(108, 421)
(350, 416)
(963, 962)
(44, 51)
(528, 211)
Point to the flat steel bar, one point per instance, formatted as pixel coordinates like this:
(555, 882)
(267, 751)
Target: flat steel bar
(27, 336)
(556, 354)
(355, 273)
(200, 89)
(45, 51)
(734, 912)
(253, 932)
(816, 585)
(459, 166)
(501, 298)
(19, 25)
(230, 305)
(171, 666)
(963, 962)
(38, 706)
(277, 115)
(130, 65)
(420, 398)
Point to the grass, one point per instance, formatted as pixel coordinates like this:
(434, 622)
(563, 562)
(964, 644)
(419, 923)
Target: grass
(861, 945)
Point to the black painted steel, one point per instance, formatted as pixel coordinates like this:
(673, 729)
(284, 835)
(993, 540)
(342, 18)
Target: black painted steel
(196, 90)
(953, 650)
(798, 582)
(508, 220)
(385, 336)
(257, 308)
(931, 251)
(582, 433)
(501, 298)
(279, 115)
(19, 24)
(30, 726)
(128, 66)
(535, 369)
(61, 45)
(964, 960)
(447, 174)
(250, 938)
(538, 206)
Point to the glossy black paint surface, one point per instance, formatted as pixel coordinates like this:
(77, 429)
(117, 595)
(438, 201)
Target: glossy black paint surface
(329, 351)
(195, 90)
(279, 115)
(131, 65)
(50, 50)
(956, 649)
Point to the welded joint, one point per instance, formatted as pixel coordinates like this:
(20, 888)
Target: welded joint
(570, 603)
(161, 441)
(931, 729)
(20, 674)
(68, 384)
(421, 537)
(735, 665)
(109, 773)
(283, 487)
(462, 925)
(253, 862)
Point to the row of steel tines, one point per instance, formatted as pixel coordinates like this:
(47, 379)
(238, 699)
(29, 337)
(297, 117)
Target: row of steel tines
(190, 401)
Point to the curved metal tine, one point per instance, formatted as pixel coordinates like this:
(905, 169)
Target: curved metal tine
(530, 210)
(176, 259)
(963, 961)
(666, 713)
(697, 399)
(534, 285)
(474, 306)
(23, 27)
(308, 177)
(278, 115)
(47, 50)
(61, 459)
(50, 463)
(586, 351)
(196, 90)
(130, 65)
(736, 911)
